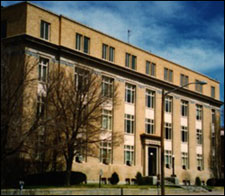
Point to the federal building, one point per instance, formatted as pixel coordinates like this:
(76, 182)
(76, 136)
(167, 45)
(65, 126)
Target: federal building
(140, 75)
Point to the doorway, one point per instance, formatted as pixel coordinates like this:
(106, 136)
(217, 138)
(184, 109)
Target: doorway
(152, 161)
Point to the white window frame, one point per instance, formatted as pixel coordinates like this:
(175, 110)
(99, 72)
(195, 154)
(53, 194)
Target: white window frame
(79, 41)
(111, 54)
(150, 99)
(43, 65)
(168, 127)
(130, 91)
(80, 78)
(40, 105)
(46, 27)
(200, 163)
(107, 86)
(129, 119)
(198, 112)
(107, 120)
(168, 159)
(106, 152)
(149, 126)
(168, 104)
(184, 108)
(184, 134)
(184, 160)
(129, 155)
(199, 136)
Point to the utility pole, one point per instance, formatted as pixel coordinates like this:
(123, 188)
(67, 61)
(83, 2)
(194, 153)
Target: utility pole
(162, 144)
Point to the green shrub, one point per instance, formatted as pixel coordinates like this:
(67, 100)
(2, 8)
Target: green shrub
(197, 181)
(114, 179)
(139, 179)
(54, 178)
(147, 180)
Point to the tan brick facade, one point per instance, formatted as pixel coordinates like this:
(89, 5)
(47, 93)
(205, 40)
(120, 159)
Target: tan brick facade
(63, 34)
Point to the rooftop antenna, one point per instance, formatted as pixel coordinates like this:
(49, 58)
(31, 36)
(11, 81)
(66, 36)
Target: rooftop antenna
(128, 35)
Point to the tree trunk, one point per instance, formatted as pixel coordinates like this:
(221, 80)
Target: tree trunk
(68, 172)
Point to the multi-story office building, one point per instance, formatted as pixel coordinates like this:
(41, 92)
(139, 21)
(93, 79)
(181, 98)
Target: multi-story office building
(140, 76)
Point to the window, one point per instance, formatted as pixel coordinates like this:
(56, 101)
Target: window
(107, 120)
(81, 79)
(130, 61)
(80, 151)
(129, 155)
(78, 41)
(149, 126)
(108, 52)
(127, 61)
(45, 30)
(168, 158)
(199, 162)
(213, 116)
(86, 44)
(168, 131)
(168, 104)
(184, 134)
(150, 68)
(168, 75)
(213, 91)
(184, 108)
(183, 80)
(133, 62)
(129, 93)
(3, 29)
(43, 69)
(107, 86)
(129, 123)
(184, 160)
(198, 87)
(111, 54)
(105, 152)
(198, 112)
(40, 106)
(199, 136)
(150, 99)
(104, 51)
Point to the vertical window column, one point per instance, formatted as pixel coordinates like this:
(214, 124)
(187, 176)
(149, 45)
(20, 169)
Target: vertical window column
(105, 152)
(129, 155)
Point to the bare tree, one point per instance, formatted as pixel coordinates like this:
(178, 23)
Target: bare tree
(77, 103)
(216, 148)
(18, 103)
(15, 78)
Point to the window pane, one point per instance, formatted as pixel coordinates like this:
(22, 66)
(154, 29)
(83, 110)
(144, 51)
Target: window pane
(86, 44)
(153, 69)
(127, 60)
(111, 54)
(170, 76)
(133, 62)
(165, 74)
(104, 51)
(147, 68)
(78, 41)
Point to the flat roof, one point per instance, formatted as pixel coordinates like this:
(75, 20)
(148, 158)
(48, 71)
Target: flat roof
(130, 45)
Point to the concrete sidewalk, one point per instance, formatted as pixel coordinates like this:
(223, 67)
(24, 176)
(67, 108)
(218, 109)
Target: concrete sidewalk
(103, 191)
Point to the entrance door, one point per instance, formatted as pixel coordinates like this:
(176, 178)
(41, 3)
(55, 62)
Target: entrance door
(152, 161)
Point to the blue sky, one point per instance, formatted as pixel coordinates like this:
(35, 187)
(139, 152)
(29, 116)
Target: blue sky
(190, 33)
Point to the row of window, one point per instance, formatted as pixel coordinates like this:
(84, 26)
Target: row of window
(108, 53)
(106, 156)
(184, 160)
(129, 127)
